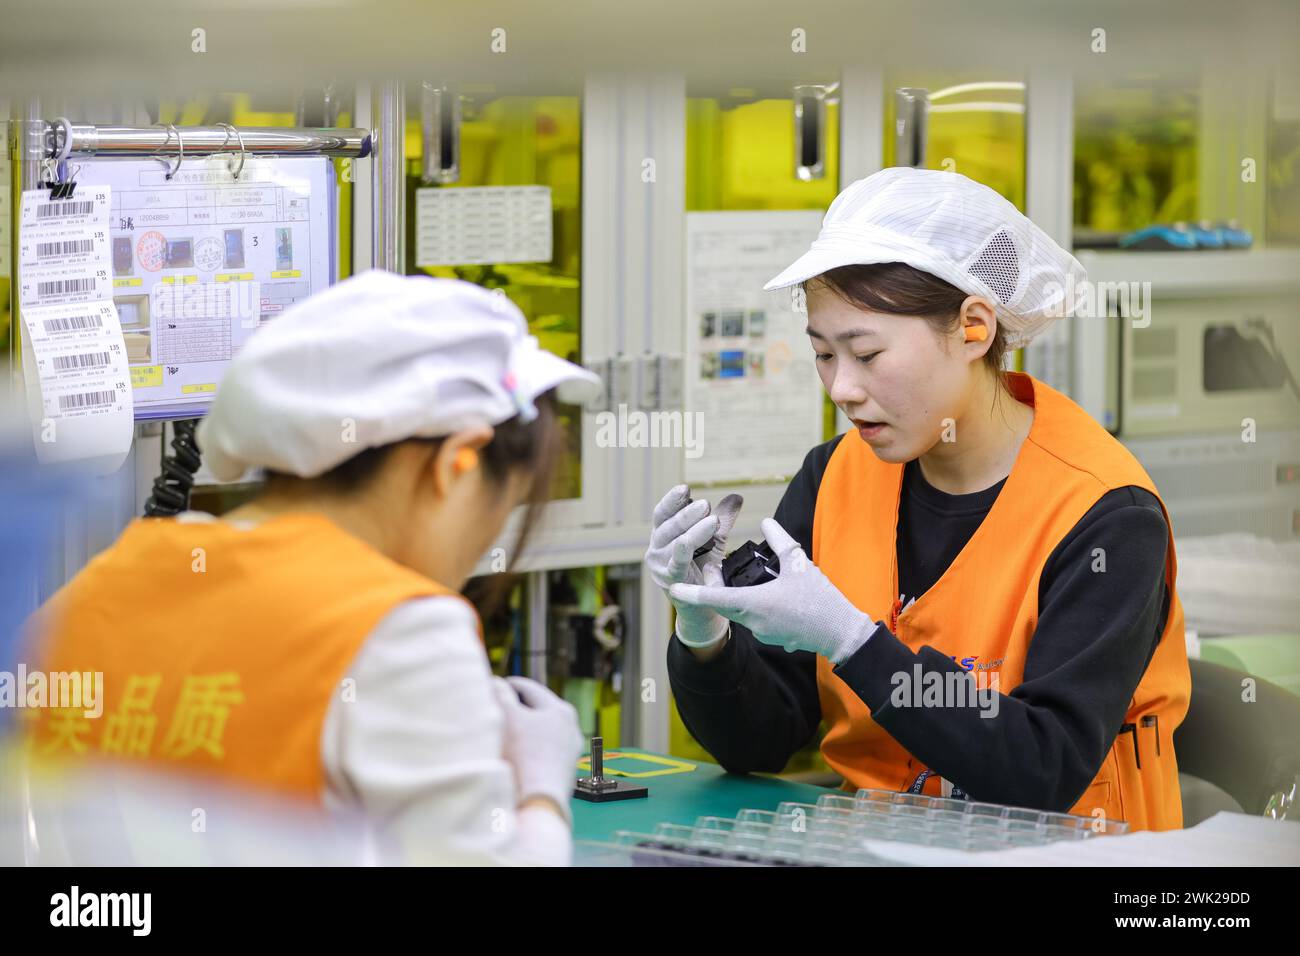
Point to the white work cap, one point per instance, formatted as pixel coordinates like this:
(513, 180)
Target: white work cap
(377, 359)
(956, 229)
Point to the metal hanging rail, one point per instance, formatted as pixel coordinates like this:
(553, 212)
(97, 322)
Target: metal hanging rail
(145, 141)
(39, 141)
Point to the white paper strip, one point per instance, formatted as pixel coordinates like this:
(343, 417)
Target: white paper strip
(74, 357)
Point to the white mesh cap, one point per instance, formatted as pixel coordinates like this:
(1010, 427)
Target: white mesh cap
(956, 229)
(373, 360)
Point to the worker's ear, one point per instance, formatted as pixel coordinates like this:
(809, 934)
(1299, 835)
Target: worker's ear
(977, 325)
(458, 457)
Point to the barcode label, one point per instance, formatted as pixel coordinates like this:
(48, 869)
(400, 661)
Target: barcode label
(65, 286)
(53, 210)
(70, 322)
(68, 403)
(70, 247)
(84, 360)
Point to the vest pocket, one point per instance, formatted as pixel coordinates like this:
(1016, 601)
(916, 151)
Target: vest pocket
(1130, 757)
(1147, 780)
(1097, 796)
(1104, 792)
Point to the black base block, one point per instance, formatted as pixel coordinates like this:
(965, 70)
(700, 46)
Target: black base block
(624, 791)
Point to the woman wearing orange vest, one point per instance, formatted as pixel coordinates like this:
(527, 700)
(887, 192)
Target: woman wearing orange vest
(976, 585)
(313, 642)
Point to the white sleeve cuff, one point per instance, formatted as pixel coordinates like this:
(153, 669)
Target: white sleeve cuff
(723, 633)
(416, 745)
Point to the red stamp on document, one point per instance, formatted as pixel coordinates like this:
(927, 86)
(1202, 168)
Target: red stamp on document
(151, 250)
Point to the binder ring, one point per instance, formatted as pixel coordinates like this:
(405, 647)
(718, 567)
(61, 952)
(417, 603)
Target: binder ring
(243, 152)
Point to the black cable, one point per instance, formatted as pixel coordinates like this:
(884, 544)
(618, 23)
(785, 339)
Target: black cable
(171, 489)
(1266, 331)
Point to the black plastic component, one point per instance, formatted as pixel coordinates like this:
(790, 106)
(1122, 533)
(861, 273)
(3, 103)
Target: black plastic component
(750, 564)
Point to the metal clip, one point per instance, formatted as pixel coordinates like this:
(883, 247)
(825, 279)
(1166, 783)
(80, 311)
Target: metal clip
(56, 177)
(243, 152)
(180, 150)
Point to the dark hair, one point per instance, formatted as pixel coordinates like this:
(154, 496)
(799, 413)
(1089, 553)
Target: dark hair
(515, 446)
(896, 288)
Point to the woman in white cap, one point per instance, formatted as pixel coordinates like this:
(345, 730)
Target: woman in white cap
(976, 588)
(313, 642)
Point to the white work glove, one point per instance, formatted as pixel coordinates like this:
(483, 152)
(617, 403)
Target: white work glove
(679, 530)
(801, 610)
(542, 740)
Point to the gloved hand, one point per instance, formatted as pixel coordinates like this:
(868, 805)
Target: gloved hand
(801, 610)
(679, 530)
(542, 740)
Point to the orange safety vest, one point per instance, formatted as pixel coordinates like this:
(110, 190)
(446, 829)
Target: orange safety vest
(221, 647)
(985, 605)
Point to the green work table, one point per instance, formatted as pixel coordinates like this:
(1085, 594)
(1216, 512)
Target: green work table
(677, 795)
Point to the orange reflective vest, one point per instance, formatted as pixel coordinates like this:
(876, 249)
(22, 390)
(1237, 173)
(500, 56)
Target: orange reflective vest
(221, 647)
(986, 603)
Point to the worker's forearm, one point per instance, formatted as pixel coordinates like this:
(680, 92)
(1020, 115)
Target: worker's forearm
(749, 712)
(1015, 750)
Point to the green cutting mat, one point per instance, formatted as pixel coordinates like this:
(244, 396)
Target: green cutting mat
(681, 797)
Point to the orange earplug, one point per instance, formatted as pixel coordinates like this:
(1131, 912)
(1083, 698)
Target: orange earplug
(466, 458)
(976, 333)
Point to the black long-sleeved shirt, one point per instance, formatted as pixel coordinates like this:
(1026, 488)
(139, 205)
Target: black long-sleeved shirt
(754, 704)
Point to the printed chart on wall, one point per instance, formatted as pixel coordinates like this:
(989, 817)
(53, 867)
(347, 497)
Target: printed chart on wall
(749, 369)
(473, 225)
(203, 260)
